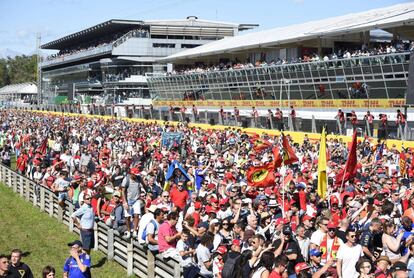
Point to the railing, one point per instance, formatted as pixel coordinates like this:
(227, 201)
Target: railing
(381, 76)
(310, 122)
(84, 53)
(132, 256)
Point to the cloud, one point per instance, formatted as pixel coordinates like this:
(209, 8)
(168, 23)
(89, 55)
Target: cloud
(298, 2)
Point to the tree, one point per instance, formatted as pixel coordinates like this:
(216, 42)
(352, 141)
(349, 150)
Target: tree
(19, 69)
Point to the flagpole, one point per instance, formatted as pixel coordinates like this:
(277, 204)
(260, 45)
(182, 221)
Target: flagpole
(283, 193)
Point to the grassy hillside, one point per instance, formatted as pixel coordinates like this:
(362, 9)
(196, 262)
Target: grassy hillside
(42, 238)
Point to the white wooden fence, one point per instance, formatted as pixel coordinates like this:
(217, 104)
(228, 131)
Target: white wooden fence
(128, 253)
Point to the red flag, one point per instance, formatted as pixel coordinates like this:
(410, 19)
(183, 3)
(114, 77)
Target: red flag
(277, 159)
(351, 164)
(288, 179)
(261, 176)
(289, 156)
(43, 147)
(260, 145)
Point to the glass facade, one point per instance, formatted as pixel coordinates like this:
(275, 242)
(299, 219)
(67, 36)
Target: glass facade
(373, 77)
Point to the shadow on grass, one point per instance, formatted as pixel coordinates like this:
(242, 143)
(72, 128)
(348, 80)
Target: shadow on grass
(100, 263)
(26, 254)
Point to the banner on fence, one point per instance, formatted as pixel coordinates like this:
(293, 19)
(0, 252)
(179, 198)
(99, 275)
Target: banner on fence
(316, 103)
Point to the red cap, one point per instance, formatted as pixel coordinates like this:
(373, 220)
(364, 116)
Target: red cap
(334, 200)
(229, 176)
(211, 186)
(223, 201)
(222, 250)
(134, 171)
(377, 203)
(210, 210)
(280, 221)
(197, 205)
(236, 242)
(306, 217)
(213, 200)
(331, 225)
(90, 184)
(301, 266)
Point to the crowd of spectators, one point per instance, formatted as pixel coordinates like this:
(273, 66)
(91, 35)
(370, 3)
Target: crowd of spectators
(183, 192)
(115, 38)
(393, 47)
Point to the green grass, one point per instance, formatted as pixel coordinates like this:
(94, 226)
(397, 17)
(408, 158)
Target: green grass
(42, 239)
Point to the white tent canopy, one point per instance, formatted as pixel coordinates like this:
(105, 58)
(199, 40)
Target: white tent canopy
(401, 15)
(19, 89)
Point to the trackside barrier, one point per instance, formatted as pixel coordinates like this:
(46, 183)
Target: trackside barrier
(128, 253)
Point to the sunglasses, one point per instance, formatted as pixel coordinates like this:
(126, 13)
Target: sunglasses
(225, 224)
(166, 196)
(352, 236)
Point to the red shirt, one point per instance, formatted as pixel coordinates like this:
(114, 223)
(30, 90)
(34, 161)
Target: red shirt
(274, 274)
(179, 198)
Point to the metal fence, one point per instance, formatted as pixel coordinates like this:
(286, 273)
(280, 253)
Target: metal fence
(128, 253)
(313, 125)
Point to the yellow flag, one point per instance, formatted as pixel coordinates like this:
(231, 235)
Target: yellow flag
(322, 180)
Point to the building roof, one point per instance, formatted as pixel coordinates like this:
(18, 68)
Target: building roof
(21, 88)
(397, 16)
(107, 27)
(116, 25)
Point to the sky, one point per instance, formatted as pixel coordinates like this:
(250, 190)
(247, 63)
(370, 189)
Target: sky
(20, 20)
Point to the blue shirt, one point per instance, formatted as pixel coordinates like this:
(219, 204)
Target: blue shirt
(199, 178)
(87, 217)
(71, 266)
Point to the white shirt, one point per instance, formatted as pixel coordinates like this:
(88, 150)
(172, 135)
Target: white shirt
(349, 257)
(317, 237)
(203, 255)
(145, 219)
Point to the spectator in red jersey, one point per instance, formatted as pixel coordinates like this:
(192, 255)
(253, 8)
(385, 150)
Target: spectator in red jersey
(179, 196)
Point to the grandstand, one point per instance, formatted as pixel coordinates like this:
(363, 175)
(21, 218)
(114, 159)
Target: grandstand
(109, 62)
(22, 94)
(358, 61)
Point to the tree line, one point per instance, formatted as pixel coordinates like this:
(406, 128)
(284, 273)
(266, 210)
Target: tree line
(19, 69)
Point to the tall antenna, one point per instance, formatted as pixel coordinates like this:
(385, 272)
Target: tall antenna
(39, 70)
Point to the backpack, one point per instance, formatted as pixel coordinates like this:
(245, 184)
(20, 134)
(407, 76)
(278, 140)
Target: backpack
(230, 267)
(144, 233)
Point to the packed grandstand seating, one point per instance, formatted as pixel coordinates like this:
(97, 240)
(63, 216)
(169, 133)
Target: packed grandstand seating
(393, 47)
(114, 39)
(214, 199)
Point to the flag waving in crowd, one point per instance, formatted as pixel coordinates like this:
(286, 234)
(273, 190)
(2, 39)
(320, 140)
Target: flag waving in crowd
(227, 192)
(350, 169)
(322, 177)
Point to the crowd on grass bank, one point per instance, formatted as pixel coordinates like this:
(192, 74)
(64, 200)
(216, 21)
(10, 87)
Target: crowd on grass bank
(189, 194)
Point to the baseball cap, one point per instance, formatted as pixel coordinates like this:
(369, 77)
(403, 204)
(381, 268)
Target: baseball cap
(197, 205)
(315, 252)
(221, 250)
(223, 201)
(203, 225)
(306, 217)
(399, 266)
(280, 221)
(331, 225)
(76, 242)
(236, 242)
(134, 171)
(301, 266)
